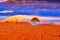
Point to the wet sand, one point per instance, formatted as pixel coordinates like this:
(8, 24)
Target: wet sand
(26, 31)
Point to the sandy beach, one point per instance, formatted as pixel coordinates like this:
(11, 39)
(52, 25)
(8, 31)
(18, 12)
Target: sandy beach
(26, 31)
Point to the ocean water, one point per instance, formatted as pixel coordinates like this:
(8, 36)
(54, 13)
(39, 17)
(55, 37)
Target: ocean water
(19, 9)
(28, 9)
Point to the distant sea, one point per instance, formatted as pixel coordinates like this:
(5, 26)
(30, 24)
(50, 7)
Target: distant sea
(27, 11)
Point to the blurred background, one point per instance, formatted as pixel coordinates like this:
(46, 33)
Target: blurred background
(45, 8)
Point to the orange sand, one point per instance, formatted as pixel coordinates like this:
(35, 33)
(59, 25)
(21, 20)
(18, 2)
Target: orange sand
(25, 31)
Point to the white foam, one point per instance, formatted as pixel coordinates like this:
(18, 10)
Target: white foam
(6, 11)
